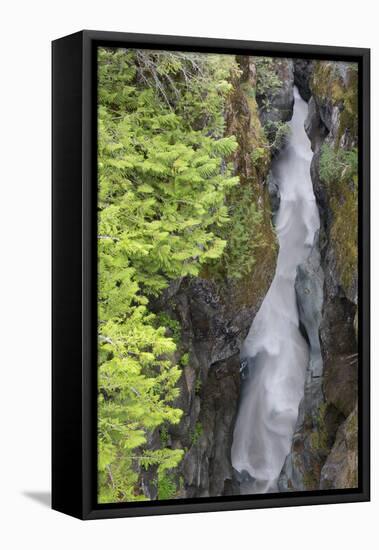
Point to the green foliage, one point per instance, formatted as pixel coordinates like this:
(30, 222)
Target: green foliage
(267, 79)
(172, 325)
(164, 435)
(197, 433)
(268, 83)
(337, 164)
(163, 459)
(243, 235)
(191, 84)
(184, 360)
(249, 233)
(277, 134)
(258, 154)
(169, 182)
(166, 487)
(162, 183)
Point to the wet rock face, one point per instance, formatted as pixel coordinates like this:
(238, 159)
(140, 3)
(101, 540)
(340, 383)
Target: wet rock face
(212, 333)
(324, 449)
(315, 128)
(207, 467)
(276, 106)
(340, 354)
(302, 73)
(274, 193)
(309, 285)
(281, 100)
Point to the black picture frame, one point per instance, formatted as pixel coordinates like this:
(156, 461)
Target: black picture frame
(74, 336)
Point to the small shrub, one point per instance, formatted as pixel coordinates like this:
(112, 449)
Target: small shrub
(170, 324)
(258, 154)
(277, 134)
(164, 435)
(197, 433)
(184, 359)
(337, 165)
(267, 79)
(166, 486)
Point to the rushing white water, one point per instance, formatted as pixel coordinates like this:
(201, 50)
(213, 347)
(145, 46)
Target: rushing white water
(275, 350)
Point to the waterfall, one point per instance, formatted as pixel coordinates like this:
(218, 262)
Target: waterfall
(275, 353)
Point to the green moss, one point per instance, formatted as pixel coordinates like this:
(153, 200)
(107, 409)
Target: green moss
(339, 171)
(319, 440)
(310, 480)
(349, 113)
(351, 428)
(339, 167)
(257, 135)
(257, 155)
(249, 258)
(319, 437)
(327, 86)
(344, 235)
(326, 83)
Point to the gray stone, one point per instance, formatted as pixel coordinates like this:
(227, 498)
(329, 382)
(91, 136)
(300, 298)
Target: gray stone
(314, 127)
(274, 193)
(277, 106)
(302, 73)
(309, 286)
(212, 333)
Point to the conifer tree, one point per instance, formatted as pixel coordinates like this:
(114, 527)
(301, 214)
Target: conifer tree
(162, 182)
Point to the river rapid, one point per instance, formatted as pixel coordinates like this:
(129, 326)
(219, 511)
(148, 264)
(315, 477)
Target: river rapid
(275, 354)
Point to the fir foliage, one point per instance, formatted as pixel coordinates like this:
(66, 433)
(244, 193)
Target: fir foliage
(162, 183)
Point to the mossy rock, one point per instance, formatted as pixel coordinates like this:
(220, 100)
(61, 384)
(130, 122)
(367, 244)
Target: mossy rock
(341, 467)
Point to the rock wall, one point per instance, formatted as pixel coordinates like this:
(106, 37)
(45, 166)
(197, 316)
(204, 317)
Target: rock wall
(276, 103)
(324, 450)
(302, 74)
(212, 332)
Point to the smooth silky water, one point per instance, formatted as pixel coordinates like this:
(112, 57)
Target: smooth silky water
(275, 352)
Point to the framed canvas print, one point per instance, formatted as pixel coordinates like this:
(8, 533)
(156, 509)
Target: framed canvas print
(210, 275)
